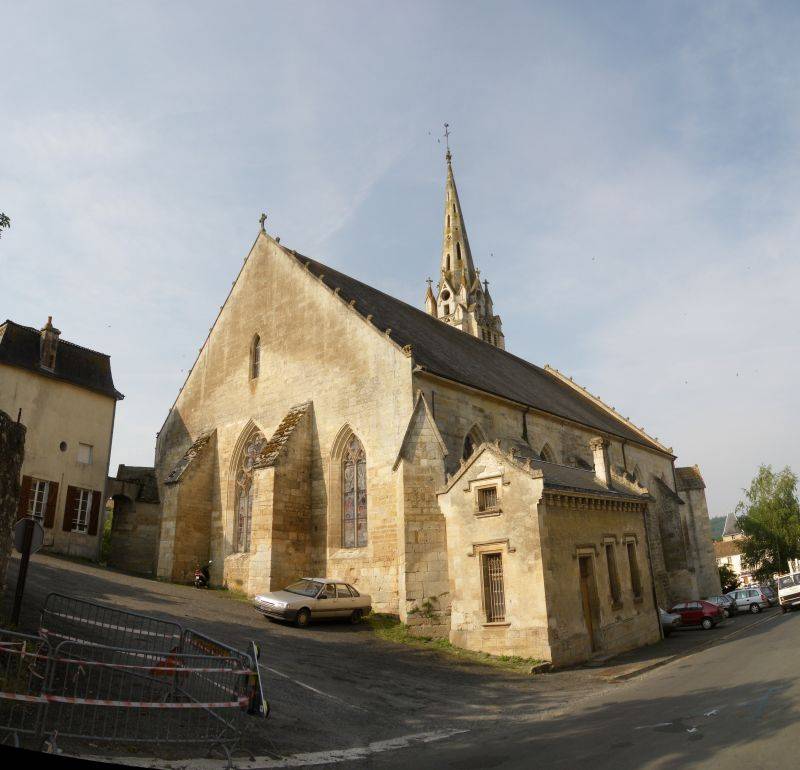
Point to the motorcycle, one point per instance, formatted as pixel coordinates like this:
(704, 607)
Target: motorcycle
(202, 575)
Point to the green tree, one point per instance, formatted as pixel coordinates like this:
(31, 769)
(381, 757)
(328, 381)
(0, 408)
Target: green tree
(728, 578)
(769, 518)
(5, 223)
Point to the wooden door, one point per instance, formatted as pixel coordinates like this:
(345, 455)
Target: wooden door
(585, 563)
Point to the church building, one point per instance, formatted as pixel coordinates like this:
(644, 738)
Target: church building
(329, 429)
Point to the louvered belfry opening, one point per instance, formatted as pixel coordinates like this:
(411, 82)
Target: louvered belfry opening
(494, 597)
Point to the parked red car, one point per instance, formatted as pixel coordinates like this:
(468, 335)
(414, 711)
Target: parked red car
(699, 613)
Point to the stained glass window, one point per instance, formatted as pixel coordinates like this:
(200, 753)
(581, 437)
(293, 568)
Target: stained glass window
(244, 492)
(354, 495)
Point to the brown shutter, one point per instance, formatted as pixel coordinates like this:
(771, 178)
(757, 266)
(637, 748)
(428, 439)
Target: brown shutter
(69, 510)
(24, 495)
(94, 515)
(50, 508)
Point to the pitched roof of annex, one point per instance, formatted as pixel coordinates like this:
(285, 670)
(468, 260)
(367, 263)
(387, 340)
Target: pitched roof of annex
(446, 352)
(19, 346)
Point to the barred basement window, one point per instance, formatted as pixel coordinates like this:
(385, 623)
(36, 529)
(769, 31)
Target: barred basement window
(613, 577)
(494, 598)
(354, 495)
(487, 499)
(636, 578)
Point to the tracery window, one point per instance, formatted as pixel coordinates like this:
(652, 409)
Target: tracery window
(255, 357)
(244, 493)
(469, 447)
(547, 454)
(354, 495)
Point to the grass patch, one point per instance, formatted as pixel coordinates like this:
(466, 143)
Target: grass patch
(390, 629)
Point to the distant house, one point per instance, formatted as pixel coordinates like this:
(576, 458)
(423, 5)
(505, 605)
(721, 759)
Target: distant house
(731, 530)
(65, 396)
(728, 551)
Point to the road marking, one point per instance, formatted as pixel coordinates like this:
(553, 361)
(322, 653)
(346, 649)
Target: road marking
(312, 689)
(647, 727)
(309, 759)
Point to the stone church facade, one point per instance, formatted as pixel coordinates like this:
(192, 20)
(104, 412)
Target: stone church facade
(327, 428)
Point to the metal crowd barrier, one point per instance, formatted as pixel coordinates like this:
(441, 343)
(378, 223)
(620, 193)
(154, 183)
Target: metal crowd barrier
(155, 684)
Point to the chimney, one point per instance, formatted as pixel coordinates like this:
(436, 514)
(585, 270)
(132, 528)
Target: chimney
(48, 344)
(602, 464)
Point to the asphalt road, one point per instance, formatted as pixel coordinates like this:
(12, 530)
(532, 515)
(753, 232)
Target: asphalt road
(734, 705)
(340, 695)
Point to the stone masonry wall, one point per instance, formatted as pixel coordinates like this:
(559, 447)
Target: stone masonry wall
(12, 453)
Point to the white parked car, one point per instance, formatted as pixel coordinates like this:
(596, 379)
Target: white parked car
(314, 598)
(789, 591)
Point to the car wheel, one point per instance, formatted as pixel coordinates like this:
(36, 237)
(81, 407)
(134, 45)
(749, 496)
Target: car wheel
(784, 610)
(355, 616)
(667, 632)
(707, 624)
(726, 613)
(755, 608)
(303, 618)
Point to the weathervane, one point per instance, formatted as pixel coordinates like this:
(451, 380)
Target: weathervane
(447, 139)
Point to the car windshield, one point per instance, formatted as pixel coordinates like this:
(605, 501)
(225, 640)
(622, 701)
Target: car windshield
(787, 581)
(304, 588)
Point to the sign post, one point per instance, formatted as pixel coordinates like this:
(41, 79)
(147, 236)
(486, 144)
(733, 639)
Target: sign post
(28, 539)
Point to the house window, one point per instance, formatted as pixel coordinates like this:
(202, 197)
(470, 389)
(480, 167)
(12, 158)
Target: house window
(636, 578)
(494, 598)
(613, 577)
(255, 357)
(37, 500)
(354, 495)
(83, 506)
(487, 499)
(85, 454)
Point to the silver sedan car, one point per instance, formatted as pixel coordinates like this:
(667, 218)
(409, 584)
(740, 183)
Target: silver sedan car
(314, 598)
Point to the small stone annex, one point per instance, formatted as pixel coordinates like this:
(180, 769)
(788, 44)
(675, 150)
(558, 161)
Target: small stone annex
(329, 428)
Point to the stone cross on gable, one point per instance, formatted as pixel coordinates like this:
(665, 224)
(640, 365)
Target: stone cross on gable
(261, 220)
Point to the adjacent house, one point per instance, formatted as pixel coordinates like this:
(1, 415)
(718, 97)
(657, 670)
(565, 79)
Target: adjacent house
(65, 396)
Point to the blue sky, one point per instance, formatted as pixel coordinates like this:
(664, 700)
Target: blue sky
(628, 173)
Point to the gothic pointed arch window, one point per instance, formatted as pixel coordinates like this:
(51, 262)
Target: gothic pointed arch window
(547, 454)
(255, 357)
(354, 495)
(243, 519)
(472, 441)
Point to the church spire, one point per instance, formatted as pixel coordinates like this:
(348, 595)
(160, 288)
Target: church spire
(461, 300)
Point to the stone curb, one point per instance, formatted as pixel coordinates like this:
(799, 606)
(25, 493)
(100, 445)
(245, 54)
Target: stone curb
(678, 655)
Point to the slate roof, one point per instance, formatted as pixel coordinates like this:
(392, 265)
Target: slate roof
(144, 477)
(556, 477)
(731, 528)
(19, 346)
(447, 352)
(689, 478)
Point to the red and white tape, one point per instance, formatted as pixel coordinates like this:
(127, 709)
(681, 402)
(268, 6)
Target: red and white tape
(240, 702)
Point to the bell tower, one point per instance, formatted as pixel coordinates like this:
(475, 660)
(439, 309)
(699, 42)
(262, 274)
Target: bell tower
(460, 299)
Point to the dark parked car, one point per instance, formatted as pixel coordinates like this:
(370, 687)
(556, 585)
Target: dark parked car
(726, 602)
(700, 613)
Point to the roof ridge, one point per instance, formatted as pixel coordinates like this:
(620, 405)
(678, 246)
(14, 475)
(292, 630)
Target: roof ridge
(603, 405)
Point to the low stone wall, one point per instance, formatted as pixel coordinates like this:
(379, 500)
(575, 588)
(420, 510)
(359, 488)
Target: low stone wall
(12, 452)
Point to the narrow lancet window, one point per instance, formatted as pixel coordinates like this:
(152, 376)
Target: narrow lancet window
(255, 358)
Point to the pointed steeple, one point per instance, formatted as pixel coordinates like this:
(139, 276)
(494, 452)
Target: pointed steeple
(461, 300)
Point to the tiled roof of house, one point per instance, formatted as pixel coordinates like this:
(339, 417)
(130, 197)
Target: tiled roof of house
(723, 548)
(689, 478)
(19, 346)
(454, 355)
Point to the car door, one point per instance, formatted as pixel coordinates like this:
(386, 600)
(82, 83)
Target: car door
(694, 613)
(326, 602)
(344, 600)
